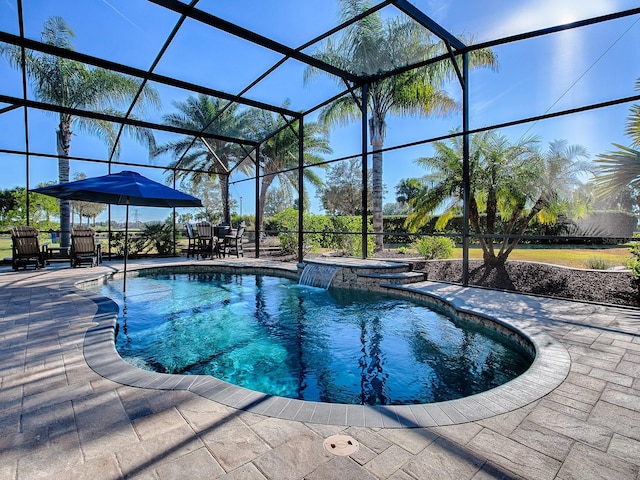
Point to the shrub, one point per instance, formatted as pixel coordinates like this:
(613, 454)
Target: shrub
(154, 238)
(633, 263)
(403, 250)
(285, 223)
(597, 263)
(432, 248)
(348, 244)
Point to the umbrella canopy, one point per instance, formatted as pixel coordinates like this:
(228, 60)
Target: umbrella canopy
(124, 188)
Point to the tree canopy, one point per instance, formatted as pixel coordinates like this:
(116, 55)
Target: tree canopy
(341, 192)
(511, 185)
(374, 45)
(198, 159)
(279, 154)
(619, 170)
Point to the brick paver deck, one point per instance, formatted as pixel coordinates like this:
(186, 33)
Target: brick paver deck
(60, 419)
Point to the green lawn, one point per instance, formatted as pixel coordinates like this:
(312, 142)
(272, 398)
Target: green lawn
(568, 257)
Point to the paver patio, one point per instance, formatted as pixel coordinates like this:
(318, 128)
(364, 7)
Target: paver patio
(60, 419)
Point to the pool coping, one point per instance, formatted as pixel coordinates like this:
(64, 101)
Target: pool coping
(549, 369)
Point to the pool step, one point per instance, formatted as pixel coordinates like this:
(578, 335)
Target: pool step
(359, 266)
(398, 278)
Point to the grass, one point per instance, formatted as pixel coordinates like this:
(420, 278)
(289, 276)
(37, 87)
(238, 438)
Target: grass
(576, 257)
(564, 255)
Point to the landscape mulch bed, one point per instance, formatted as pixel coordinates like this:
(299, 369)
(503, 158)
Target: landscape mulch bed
(601, 286)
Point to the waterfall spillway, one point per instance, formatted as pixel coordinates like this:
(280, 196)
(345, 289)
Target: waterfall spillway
(317, 275)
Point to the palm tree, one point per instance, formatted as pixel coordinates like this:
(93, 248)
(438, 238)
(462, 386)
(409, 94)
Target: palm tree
(371, 46)
(633, 122)
(211, 115)
(279, 154)
(511, 184)
(72, 84)
(619, 170)
(407, 189)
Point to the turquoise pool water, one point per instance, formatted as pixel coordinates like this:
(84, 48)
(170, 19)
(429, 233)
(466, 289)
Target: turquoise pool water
(268, 334)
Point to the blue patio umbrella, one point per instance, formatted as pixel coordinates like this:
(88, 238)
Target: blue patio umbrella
(123, 188)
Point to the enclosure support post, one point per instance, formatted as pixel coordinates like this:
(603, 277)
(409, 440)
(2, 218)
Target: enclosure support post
(465, 169)
(174, 218)
(300, 188)
(109, 233)
(365, 172)
(25, 109)
(257, 208)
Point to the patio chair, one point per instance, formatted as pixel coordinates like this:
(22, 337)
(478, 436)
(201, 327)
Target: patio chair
(207, 241)
(26, 247)
(233, 242)
(221, 230)
(84, 248)
(192, 239)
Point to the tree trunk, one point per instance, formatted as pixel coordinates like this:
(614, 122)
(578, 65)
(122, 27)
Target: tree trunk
(539, 205)
(224, 194)
(63, 135)
(501, 258)
(474, 218)
(267, 180)
(376, 130)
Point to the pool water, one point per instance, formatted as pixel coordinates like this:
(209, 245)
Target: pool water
(271, 335)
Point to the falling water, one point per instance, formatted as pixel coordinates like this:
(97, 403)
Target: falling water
(317, 276)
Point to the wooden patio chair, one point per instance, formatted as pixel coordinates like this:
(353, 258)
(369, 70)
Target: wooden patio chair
(221, 230)
(26, 247)
(84, 248)
(233, 242)
(207, 241)
(192, 239)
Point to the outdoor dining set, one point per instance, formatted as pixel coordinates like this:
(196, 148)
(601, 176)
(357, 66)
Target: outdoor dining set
(207, 240)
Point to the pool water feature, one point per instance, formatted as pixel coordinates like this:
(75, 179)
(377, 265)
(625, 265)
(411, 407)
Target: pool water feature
(319, 276)
(268, 334)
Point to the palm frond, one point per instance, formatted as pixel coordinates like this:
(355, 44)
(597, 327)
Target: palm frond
(617, 170)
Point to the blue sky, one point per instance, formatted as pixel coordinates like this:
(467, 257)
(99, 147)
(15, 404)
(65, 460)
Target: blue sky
(561, 71)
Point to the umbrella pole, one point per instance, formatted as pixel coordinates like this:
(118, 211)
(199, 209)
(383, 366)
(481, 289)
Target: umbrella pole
(126, 247)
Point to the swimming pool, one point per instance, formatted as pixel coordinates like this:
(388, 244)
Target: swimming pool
(268, 334)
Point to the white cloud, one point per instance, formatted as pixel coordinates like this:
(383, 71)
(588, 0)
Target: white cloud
(536, 14)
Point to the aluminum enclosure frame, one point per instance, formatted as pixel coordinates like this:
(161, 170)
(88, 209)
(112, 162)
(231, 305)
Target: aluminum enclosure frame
(457, 53)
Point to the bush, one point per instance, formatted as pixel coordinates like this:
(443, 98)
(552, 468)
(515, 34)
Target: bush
(432, 248)
(634, 262)
(154, 238)
(348, 244)
(597, 263)
(323, 232)
(285, 223)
